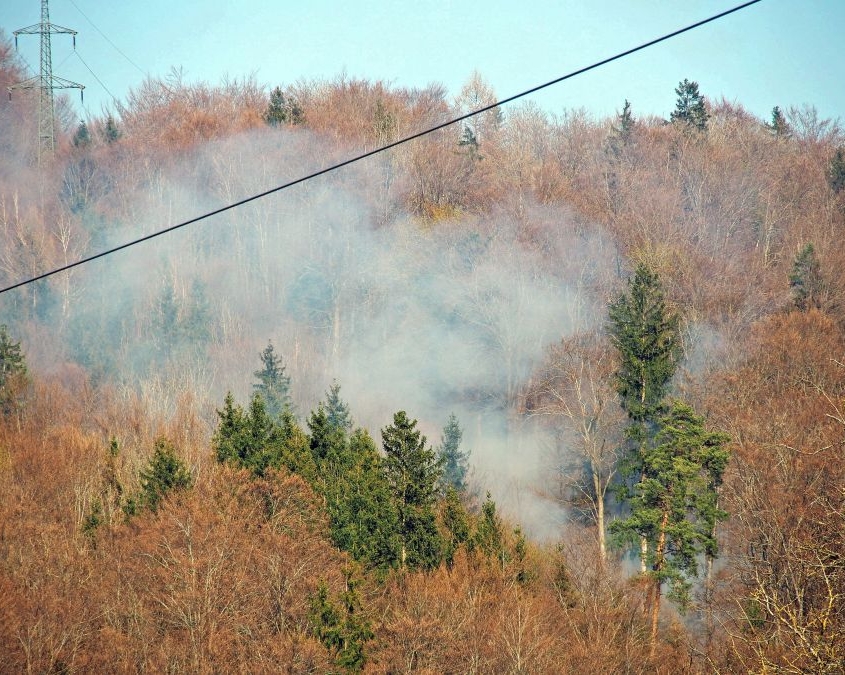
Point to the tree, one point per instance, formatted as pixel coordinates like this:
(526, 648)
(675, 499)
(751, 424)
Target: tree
(690, 109)
(273, 384)
(452, 459)
(622, 131)
(337, 410)
(413, 473)
(344, 632)
(836, 171)
(806, 280)
(646, 336)
(282, 109)
(13, 371)
(111, 132)
(82, 138)
(779, 127)
(165, 473)
(574, 393)
(488, 532)
(674, 506)
(456, 523)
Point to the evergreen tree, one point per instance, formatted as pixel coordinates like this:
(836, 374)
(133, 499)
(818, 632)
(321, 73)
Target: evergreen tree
(337, 410)
(343, 631)
(779, 127)
(282, 109)
(362, 515)
(836, 171)
(273, 385)
(805, 279)
(452, 459)
(164, 473)
(82, 138)
(13, 372)
(690, 109)
(488, 533)
(646, 335)
(622, 131)
(413, 474)
(674, 507)
(111, 133)
(456, 524)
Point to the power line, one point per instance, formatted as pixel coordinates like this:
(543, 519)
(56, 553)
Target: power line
(106, 38)
(93, 74)
(383, 148)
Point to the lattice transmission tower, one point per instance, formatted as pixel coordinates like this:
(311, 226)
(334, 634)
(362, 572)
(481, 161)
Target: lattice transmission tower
(45, 81)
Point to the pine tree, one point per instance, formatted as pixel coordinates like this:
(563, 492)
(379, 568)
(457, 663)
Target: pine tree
(343, 631)
(273, 385)
(690, 109)
(282, 109)
(805, 279)
(413, 474)
(674, 507)
(623, 130)
(165, 473)
(452, 459)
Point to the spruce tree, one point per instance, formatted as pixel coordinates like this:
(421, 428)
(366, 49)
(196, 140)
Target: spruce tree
(337, 410)
(82, 138)
(647, 337)
(488, 533)
(779, 127)
(836, 171)
(805, 279)
(452, 459)
(165, 473)
(273, 384)
(674, 507)
(690, 109)
(455, 522)
(413, 474)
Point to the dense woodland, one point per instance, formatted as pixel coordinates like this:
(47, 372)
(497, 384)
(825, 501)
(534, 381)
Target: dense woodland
(275, 440)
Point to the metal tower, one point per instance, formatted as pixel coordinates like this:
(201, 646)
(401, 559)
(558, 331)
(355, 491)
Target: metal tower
(46, 82)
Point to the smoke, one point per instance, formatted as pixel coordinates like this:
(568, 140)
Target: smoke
(432, 320)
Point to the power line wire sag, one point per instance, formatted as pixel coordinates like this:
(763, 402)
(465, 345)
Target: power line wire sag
(365, 155)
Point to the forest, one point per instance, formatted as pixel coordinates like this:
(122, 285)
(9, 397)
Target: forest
(534, 393)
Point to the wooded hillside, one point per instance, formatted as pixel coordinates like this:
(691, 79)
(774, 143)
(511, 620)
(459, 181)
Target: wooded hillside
(535, 393)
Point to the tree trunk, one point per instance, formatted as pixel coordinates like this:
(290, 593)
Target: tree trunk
(658, 567)
(600, 517)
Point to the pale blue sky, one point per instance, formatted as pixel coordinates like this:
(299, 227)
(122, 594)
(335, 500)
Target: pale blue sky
(778, 52)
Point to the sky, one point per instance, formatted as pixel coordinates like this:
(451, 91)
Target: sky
(777, 52)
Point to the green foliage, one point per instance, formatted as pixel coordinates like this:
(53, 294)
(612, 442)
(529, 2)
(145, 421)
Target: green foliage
(520, 552)
(343, 630)
(647, 337)
(337, 410)
(413, 474)
(164, 473)
(674, 506)
(273, 384)
(488, 533)
(452, 459)
(111, 132)
(282, 109)
(836, 171)
(13, 372)
(456, 524)
(690, 109)
(622, 131)
(181, 323)
(93, 520)
(82, 138)
(252, 439)
(806, 280)
(779, 127)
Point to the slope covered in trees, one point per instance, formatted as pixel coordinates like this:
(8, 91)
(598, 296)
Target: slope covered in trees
(628, 332)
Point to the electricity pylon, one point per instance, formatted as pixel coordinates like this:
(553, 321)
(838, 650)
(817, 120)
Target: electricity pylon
(45, 82)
